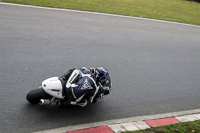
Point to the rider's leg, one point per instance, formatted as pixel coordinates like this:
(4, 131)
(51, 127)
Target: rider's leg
(68, 74)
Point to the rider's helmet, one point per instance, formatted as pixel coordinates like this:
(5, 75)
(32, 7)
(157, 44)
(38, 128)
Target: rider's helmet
(101, 74)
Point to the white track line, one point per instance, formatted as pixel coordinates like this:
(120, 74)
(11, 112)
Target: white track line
(59, 9)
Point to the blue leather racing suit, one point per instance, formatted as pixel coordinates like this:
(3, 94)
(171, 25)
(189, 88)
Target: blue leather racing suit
(82, 86)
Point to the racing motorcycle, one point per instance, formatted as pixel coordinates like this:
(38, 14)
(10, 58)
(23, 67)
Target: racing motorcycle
(51, 92)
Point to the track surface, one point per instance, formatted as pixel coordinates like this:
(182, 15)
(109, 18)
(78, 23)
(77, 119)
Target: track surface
(154, 66)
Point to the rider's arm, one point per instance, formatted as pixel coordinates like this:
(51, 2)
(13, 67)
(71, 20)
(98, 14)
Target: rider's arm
(99, 95)
(103, 90)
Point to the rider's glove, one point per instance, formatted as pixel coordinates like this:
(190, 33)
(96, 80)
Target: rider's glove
(106, 91)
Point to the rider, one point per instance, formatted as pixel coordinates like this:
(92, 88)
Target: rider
(86, 84)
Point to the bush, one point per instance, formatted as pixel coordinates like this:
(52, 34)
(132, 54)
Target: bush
(195, 0)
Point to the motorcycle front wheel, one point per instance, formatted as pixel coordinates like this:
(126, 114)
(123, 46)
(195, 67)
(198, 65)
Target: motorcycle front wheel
(34, 96)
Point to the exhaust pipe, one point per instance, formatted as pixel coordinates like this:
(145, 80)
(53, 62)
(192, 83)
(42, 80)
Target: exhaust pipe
(47, 102)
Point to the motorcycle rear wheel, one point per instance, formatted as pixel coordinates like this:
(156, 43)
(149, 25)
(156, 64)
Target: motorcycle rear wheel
(34, 96)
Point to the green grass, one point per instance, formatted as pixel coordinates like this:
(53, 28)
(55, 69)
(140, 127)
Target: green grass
(171, 10)
(186, 127)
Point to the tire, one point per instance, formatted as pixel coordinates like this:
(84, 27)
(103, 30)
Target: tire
(34, 96)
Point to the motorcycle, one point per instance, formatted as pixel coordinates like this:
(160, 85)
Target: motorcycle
(52, 92)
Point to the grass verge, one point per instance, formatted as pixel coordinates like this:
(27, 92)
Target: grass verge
(185, 127)
(171, 10)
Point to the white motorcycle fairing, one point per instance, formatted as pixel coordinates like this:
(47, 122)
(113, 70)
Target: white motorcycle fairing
(53, 87)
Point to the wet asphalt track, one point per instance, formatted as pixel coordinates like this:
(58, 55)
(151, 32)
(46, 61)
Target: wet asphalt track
(154, 66)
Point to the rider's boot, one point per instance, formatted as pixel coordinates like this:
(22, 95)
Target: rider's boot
(68, 74)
